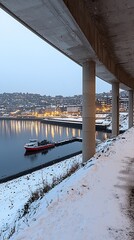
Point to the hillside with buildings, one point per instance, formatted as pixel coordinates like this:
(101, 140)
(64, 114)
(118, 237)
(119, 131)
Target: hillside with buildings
(35, 105)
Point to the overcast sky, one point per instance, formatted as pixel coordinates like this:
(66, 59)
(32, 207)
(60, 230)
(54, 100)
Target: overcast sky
(29, 64)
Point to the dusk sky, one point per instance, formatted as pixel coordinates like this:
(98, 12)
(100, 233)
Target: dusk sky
(29, 64)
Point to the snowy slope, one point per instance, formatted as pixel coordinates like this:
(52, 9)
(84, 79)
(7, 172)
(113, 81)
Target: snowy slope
(92, 204)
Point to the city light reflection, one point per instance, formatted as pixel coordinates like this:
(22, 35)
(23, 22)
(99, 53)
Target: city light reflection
(52, 132)
(37, 129)
(67, 132)
(73, 132)
(46, 131)
(60, 131)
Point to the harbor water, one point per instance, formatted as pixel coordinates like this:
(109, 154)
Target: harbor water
(15, 133)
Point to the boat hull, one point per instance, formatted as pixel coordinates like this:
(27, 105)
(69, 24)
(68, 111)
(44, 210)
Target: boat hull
(39, 148)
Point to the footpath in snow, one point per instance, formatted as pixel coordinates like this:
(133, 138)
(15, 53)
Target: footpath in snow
(95, 203)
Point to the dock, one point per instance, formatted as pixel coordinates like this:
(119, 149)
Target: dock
(63, 142)
(74, 123)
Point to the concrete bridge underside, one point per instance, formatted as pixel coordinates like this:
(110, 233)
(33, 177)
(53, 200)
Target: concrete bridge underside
(96, 34)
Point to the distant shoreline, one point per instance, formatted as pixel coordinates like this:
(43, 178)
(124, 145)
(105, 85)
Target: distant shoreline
(21, 118)
(59, 123)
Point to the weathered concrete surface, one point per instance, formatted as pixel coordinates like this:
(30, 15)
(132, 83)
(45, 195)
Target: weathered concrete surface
(101, 31)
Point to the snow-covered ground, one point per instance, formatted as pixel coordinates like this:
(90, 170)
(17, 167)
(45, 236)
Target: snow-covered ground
(95, 203)
(14, 194)
(123, 122)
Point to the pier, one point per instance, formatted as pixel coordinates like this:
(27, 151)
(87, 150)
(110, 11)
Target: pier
(100, 126)
(60, 143)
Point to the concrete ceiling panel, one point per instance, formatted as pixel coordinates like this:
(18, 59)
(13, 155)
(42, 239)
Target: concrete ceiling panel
(107, 38)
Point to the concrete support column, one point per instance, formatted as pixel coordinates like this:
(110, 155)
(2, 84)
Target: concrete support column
(115, 109)
(130, 109)
(88, 128)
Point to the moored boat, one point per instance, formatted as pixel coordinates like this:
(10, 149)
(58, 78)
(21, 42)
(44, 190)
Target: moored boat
(34, 145)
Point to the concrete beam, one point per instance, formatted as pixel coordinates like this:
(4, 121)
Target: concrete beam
(88, 129)
(81, 14)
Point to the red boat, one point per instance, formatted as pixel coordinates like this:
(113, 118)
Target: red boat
(34, 145)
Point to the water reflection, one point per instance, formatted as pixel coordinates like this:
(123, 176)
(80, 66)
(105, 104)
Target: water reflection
(102, 136)
(35, 128)
(35, 153)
